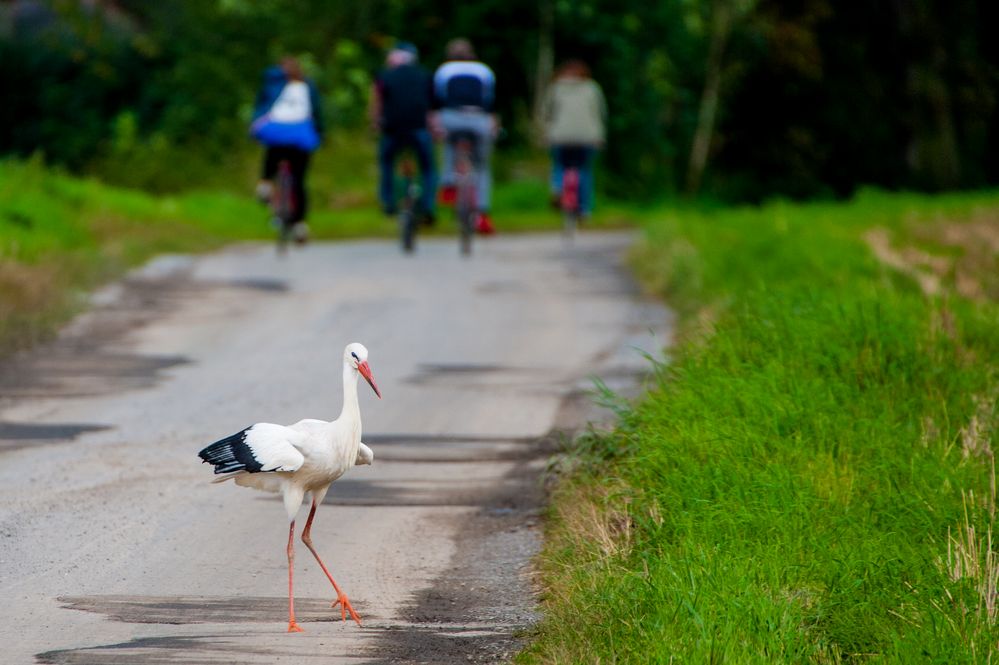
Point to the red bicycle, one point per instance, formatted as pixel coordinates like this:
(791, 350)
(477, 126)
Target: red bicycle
(284, 208)
(466, 202)
(572, 159)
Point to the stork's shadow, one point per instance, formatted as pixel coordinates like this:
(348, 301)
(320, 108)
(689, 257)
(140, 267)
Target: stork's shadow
(177, 610)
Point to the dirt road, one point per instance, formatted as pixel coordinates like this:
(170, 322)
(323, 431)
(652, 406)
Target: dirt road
(114, 546)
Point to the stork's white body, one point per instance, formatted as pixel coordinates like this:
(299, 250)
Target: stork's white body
(328, 450)
(302, 458)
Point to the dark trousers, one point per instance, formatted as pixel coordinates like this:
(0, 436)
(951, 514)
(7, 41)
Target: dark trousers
(298, 161)
(389, 148)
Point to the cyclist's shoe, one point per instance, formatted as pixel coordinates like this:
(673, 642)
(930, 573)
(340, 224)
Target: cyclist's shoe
(484, 225)
(264, 190)
(448, 194)
(427, 218)
(300, 232)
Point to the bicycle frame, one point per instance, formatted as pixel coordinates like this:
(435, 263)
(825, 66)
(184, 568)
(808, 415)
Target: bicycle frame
(570, 200)
(283, 202)
(466, 184)
(572, 158)
(407, 211)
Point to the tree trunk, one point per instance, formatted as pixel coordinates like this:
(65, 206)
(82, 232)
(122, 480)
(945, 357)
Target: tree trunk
(933, 154)
(546, 62)
(721, 28)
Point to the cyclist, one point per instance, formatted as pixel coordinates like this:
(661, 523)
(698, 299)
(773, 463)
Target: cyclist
(400, 104)
(575, 114)
(464, 94)
(287, 120)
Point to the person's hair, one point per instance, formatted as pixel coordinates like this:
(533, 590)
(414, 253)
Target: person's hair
(292, 68)
(573, 67)
(460, 48)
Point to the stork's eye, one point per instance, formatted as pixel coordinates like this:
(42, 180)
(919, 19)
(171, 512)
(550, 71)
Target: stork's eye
(355, 356)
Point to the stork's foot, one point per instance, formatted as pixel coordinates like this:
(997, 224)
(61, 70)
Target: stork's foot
(294, 627)
(345, 607)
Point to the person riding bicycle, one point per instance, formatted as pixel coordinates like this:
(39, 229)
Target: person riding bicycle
(464, 96)
(400, 104)
(287, 120)
(574, 112)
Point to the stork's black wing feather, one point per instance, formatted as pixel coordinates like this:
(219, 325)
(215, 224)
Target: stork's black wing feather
(232, 454)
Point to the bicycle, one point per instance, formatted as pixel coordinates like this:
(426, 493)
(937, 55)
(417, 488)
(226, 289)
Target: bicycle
(466, 203)
(284, 208)
(408, 218)
(572, 159)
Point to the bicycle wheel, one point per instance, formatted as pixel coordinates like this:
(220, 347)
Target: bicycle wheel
(465, 230)
(570, 222)
(407, 229)
(465, 209)
(570, 202)
(284, 204)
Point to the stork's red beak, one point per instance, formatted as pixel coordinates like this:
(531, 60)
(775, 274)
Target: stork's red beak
(365, 371)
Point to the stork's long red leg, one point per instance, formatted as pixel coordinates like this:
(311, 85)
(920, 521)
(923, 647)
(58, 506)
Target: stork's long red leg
(341, 597)
(293, 627)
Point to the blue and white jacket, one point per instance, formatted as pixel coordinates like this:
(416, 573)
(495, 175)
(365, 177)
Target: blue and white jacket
(287, 112)
(464, 84)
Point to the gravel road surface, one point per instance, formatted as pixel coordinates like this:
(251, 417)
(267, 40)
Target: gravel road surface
(116, 548)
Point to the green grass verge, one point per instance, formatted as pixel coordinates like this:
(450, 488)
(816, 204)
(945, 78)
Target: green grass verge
(811, 479)
(62, 236)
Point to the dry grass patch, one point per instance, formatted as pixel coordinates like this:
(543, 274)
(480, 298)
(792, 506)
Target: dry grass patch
(972, 560)
(968, 264)
(596, 519)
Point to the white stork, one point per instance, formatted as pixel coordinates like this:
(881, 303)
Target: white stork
(305, 457)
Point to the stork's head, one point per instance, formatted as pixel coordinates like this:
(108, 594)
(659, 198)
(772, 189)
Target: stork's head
(356, 356)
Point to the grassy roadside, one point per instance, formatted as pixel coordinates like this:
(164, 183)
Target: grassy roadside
(813, 478)
(62, 236)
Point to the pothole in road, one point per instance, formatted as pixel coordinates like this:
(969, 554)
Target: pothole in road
(473, 373)
(462, 368)
(19, 435)
(66, 371)
(247, 649)
(256, 283)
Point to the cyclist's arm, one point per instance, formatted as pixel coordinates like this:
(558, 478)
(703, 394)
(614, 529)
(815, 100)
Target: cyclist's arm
(436, 104)
(602, 101)
(315, 99)
(376, 105)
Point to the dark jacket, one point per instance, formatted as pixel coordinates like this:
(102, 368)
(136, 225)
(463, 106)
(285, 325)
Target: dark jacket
(405, 93)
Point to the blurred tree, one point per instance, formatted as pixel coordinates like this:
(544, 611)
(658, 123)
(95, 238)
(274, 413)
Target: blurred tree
(723, 16)
(741, 99)
(546, 61)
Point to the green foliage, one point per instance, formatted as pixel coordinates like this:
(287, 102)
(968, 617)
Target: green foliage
(815, 98)
(812, 478)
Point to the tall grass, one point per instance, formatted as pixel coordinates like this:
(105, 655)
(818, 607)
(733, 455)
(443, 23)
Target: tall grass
(812, 478)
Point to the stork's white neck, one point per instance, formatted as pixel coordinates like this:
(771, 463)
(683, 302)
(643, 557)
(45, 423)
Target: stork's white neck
(351, 408)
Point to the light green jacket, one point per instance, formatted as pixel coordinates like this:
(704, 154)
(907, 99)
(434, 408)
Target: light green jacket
(574, 112)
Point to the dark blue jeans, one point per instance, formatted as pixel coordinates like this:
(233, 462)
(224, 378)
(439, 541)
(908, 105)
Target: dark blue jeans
(389, 148)
(580, 157)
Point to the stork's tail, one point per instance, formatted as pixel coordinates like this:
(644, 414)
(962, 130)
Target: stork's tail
(228, 476)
